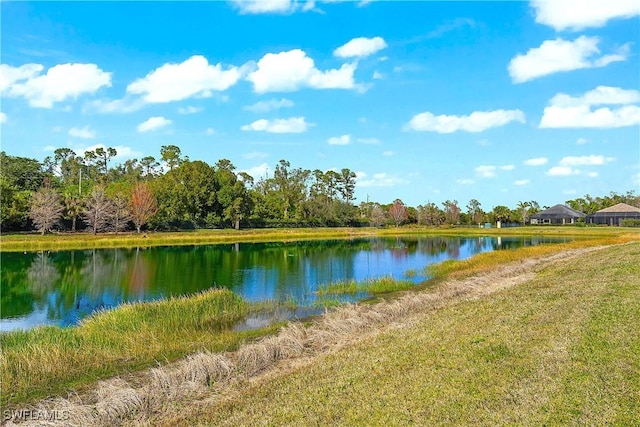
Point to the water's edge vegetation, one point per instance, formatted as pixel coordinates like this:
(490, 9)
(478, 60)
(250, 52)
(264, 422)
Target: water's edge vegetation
(50, 361)
(67, 241)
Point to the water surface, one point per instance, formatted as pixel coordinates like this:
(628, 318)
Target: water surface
(62, 287)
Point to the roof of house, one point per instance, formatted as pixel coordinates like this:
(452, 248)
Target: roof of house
(620, 207)
(559, 211)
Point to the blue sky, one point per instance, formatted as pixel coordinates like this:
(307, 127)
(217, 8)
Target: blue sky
(425, 101)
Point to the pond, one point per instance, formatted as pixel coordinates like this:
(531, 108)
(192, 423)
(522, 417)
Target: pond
(62, 287)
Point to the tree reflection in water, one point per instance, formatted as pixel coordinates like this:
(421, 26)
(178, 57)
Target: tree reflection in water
(69, 285)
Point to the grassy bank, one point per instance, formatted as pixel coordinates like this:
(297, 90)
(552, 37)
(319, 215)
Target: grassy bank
(61, 241)
(375, 286)
(560, 348)
(50, 360)
(487, 261)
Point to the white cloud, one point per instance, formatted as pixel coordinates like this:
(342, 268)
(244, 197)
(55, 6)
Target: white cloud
(598, 96)
(270, 105)
(581, 141)
(3, 118)
(189, 110)
(210, 131)
(360, 47)
(284, 7)
(371, 141)
(339, 140)
(489, 171)
(377, 75)
(562, 171)
(565, 111)
(566, 166)
(175, 82)
(465, 181)
(84, 133)
(579, 14)
(265, 6)
(291, 125)
(388, 153)
(477, 121)
(128, 104)
(257, 171)
(379, 180)
(536, 161)
(9, 75)
(153, 123)
(486, 171)
(592, 160)
(569, 191)
(521, 182)
(292, 70)
(60, 83)
(559, 55)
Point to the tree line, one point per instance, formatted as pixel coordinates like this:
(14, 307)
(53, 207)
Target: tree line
(71, 191)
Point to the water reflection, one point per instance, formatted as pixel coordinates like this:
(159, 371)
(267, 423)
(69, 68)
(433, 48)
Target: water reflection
(63, 287)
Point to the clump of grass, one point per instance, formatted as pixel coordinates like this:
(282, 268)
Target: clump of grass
(410, 273)
(374, 286)
(50, 360)
(327, 302)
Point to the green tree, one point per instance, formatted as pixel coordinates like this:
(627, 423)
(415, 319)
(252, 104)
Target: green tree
(150, 167)
(171, 155)
(430, 214)
(233, 196)
(73, 207)
(501, 213)
(474, 210)
(19, 178)
(347, 184)
(523, 211)
(187, 196)
(290, 186)
(451, 212)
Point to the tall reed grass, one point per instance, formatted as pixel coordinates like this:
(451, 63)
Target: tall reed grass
(371, 286)
(51, 360)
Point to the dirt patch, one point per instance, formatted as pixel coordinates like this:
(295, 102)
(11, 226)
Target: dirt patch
(208, 377)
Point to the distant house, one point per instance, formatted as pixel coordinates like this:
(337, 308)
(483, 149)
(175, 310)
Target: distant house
(614, 214)
(558, 214)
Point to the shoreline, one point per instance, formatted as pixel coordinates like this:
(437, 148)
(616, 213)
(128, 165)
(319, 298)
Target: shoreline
(77, 241)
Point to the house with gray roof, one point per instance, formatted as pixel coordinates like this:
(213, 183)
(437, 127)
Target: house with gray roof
(614, 215)
(558, 214)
